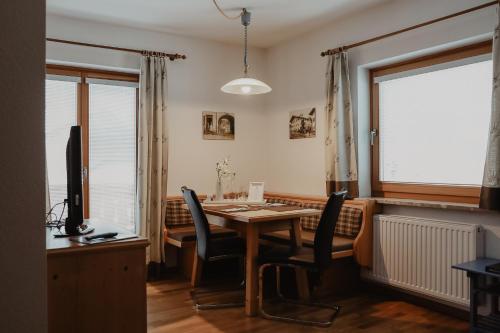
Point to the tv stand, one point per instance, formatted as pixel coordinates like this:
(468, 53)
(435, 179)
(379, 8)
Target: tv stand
(82, 280)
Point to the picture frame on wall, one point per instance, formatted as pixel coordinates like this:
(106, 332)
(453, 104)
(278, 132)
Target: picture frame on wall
(218, 125)
(302, 123)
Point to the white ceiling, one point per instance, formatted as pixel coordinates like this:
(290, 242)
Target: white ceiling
(272, 20)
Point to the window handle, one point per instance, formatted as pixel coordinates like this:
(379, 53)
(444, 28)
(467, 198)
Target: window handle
(373, 134)
(85, 173)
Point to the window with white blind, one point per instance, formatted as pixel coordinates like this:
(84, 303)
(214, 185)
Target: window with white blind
(104, 104)
(432, 119)
(60, 115)
(112, 151)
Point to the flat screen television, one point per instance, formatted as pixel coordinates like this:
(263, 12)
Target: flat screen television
(74, 222)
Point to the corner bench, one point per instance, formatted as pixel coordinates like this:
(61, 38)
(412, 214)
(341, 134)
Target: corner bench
(353, 237)
(353, 234)
(179, 233)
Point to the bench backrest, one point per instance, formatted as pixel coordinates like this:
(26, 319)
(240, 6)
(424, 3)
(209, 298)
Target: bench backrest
(349, 222)
(355, 220)
(348, 225)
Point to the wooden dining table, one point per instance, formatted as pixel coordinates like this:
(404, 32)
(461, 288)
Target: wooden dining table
(250, 221)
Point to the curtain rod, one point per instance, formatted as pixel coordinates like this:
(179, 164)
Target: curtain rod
(367, 41)
(171, 56)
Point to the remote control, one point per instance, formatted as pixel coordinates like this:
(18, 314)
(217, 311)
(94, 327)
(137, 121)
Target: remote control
(105, 235)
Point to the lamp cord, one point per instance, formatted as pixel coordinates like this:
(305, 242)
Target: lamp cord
(245, 20)
(224, 14)
(245, 54)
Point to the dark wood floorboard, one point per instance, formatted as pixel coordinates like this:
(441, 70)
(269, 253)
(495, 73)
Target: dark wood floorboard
(170, 310)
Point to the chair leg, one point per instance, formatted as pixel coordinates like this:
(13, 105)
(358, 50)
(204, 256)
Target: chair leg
(196, 292)
(261, 287)
(197, 270)
(266, 315)
(158, 270)
(195, 282)
(212, 306)
(278, 283)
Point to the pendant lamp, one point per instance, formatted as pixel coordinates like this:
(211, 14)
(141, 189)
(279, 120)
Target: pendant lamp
(245, 85)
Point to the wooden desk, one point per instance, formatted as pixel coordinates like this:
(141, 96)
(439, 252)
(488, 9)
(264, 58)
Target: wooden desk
(476, 271)
(250, 224)
(96, 288)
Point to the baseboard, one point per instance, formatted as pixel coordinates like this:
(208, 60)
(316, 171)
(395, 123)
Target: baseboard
(412, 297)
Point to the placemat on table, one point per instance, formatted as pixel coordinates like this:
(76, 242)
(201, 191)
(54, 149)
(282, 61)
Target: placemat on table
(254, 208)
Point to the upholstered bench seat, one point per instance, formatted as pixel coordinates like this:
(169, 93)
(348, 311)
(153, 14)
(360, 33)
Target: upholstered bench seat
(283, 237)
(353, 234)
(186, 235)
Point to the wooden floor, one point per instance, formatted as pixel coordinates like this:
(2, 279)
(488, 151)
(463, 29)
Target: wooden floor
(170, 310)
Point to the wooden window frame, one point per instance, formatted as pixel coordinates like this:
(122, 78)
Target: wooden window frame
(418, 191)
(82, 117)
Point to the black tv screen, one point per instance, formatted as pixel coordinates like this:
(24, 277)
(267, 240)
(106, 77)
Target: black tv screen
(74, 181)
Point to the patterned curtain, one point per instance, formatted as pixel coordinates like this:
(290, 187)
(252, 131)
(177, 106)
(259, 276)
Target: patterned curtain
(340, 147)
(47, 192)
(490, 191)
(152, 154)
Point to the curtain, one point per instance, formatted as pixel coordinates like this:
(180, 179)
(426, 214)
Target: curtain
(47, 192)
(340, 147)
(490, 191)
(152, 158)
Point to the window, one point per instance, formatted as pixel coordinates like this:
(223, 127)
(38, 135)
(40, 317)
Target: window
(432, 118)
(60, 115)
(112, 111)
(105, 105)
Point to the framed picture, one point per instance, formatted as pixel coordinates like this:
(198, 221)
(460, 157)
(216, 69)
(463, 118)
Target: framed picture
(302, 124)
(218, 125)
(256, 192)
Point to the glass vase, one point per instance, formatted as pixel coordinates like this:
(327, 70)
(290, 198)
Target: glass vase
(219, 192)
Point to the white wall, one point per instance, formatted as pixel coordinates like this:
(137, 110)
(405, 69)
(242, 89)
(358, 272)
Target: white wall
(296, 72)
(194, 86)
(22, 168)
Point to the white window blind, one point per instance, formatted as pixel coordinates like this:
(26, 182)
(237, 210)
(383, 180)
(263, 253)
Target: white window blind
(112, 153)
(60, 115)
(434, 125)
(434, 68)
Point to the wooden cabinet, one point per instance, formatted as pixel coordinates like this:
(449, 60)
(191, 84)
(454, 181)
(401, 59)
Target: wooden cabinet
(96, 288)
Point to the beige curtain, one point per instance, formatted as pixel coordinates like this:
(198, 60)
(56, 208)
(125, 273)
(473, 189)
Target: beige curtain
(152, 154)
(47, 192)
(340, 148)
(490, 191)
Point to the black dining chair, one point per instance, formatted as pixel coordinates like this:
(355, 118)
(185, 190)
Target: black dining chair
(316, 259)
(210, 249)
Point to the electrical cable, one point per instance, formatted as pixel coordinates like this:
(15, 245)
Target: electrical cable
(49, 213)
(224, 14)
(245, 20)
(62, 213)
(57, 222)
(245, 55)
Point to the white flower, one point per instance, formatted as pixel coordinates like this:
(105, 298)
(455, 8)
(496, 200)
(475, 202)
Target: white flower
(223, 169)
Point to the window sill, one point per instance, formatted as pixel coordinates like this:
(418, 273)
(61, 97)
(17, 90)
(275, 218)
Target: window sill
(430, 204)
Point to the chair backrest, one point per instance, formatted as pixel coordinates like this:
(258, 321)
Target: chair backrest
(201, 225)
(326, 227)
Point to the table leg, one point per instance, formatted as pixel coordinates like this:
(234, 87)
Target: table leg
(252, 271)
(300, 273)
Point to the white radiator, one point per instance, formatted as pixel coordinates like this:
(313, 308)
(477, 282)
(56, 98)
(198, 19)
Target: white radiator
(416, 254)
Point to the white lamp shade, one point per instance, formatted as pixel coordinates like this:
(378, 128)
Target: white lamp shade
(246, 86)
